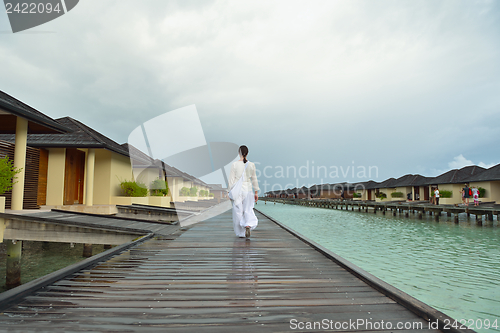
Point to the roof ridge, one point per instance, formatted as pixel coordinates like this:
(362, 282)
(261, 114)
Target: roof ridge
(84, 128)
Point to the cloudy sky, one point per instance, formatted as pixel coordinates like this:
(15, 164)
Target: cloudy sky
(399, 86)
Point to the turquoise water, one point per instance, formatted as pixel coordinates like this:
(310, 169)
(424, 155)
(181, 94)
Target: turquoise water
(452, 267)
(42, 258)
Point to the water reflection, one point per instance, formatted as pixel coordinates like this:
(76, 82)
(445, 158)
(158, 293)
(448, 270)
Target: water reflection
(42, 258)
(243, 277)
(242, 265)
(48, 246)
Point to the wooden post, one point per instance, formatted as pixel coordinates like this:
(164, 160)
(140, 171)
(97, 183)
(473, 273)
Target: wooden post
(87, 250)
(383, 211)
(89, 200)
(14, 250)
(490, 216)
(20, 163)
(394, 211)
(420, 215)
(456, 217)
(448, 214)
(436, 217)
(407, 214)
(479, 219)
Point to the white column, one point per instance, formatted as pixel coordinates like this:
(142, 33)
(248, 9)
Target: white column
(20, 163)
(90, 177)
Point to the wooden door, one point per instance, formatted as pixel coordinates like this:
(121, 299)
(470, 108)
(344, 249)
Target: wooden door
(80, 176)
(369, 194)
(416, 194)
(426, 192)
(73, 177)
(43, 167)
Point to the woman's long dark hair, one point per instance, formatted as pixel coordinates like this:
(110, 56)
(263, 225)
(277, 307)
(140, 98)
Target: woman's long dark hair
(244, 152)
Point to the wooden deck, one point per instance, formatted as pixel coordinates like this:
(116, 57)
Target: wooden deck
(489, 210)
(206, 279)
(95, 221)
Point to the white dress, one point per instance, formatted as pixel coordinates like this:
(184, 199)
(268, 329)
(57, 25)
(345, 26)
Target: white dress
(243, 214)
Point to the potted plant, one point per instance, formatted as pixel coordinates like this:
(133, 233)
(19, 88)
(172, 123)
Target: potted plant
(7, 173)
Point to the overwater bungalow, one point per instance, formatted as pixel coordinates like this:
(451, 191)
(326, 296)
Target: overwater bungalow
(366, 190)
(17, 119)
(410, 187)
(334, 191)
(81, 167)
(218, 191)
(384, 189)
(489, 179)
(66, 164)
(453, 181)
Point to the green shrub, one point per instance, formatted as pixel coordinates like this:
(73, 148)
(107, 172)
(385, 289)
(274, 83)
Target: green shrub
(381, 195)
(193, 191)
(159, 188)
(482, 192)
(7, 174)
(356, 195)
(184, 192)
(203, 193)
(397, 195)
(211, 195)
(133, 189)
(445, 194)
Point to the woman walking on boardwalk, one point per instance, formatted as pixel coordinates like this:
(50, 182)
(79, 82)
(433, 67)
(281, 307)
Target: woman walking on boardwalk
(241, 180)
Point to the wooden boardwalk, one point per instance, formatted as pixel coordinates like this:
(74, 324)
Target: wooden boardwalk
(403, 207)
(95, 221)
(208, 280)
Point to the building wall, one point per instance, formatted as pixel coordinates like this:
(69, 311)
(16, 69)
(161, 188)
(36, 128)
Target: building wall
(364, 194)
(175, 185)
(55, 176)
(492, 191)
(388, 192)
(456, 196)
(102, 177)
(405, 190)
(121, 169)
(146, 175)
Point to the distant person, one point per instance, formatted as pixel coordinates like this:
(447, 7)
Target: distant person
(342, 195)
(432, 199)
(241, 180)
(408, 196)
(475, 195)
(467, 194)
(436, 196)
(463, 196)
